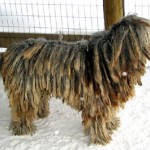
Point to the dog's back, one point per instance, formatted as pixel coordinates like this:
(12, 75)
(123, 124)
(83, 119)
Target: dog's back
(35, 65)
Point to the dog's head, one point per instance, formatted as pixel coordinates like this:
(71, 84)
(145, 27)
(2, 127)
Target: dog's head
(119, 55)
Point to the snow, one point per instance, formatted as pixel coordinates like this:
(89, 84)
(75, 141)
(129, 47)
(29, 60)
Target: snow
(62, 129)
(124, 74)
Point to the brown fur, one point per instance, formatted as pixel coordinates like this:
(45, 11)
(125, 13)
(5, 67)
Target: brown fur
(36, 69)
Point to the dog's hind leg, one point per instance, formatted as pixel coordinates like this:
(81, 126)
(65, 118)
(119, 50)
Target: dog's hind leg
(23, 113)
(43, 108)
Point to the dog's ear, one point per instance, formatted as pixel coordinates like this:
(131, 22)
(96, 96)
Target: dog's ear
(126, 46)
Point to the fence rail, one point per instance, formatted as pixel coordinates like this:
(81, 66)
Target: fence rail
(7, 38)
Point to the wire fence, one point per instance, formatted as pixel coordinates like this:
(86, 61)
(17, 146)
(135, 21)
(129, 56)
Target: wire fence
(51, 16)
(76, 17)
(140, 7)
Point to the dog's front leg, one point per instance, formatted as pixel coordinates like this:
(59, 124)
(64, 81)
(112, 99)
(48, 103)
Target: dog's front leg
(95, 124)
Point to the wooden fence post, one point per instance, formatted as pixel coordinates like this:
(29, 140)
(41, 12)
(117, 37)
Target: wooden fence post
(113, 11)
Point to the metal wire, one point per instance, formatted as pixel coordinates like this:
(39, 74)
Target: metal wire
(51, 16)
(140, 7)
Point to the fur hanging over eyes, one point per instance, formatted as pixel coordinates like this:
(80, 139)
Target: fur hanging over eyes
(95, 77)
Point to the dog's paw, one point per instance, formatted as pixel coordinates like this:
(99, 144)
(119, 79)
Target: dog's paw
(20, 128)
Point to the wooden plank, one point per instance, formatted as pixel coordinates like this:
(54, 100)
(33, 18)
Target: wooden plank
(113, 11)
(7, 39)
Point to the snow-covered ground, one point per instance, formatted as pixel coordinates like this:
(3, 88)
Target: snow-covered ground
(63, 130)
